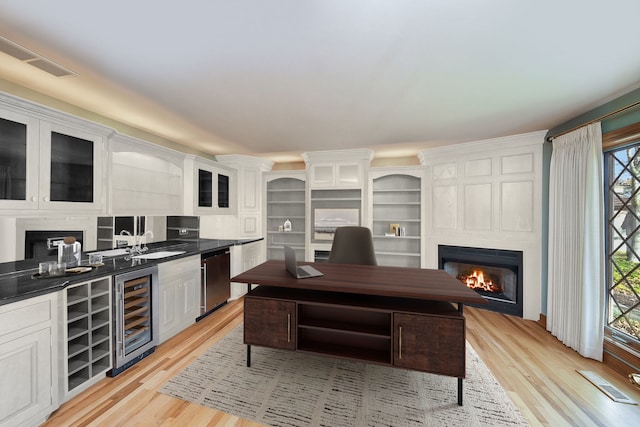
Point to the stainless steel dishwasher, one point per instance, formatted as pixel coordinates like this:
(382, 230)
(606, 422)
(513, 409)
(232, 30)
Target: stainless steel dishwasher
(216, 286)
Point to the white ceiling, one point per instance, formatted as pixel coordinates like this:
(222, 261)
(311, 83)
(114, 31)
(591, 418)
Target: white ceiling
(275, 78)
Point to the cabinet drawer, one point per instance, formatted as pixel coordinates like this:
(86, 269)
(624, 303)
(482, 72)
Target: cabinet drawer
(179, 268)
(23, 314)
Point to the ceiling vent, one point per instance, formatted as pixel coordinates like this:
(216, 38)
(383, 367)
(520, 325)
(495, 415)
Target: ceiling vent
(25, 55)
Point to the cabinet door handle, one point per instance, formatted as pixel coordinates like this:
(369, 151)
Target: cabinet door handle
(288, 327)
(204, 286)
(400, 342)
(120, 319)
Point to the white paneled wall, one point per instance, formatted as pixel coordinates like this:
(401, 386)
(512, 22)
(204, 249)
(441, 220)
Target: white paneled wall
(488, 194)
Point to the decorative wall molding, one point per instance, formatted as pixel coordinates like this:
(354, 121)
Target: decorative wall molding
(488, 194)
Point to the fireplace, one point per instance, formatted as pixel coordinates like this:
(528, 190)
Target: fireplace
(495, 274)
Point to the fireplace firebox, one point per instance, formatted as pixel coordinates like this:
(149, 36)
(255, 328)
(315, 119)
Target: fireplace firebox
(496, 274)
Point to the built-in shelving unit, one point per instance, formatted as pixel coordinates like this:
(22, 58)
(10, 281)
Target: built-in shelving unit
(397, 200)
(105, 232)
(88, 333)
(285, 201)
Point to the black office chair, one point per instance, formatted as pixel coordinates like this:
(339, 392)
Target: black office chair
(353, 245)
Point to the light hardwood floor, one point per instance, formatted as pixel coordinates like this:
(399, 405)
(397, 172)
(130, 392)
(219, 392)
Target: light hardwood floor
(537, 371)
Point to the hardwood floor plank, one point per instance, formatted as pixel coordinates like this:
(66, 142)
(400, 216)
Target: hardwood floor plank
(537, 371)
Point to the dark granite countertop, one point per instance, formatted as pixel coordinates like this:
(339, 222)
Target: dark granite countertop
(17, 281)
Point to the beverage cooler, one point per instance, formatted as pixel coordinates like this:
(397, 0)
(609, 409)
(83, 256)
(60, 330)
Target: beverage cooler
(216, 286)
(135, 317)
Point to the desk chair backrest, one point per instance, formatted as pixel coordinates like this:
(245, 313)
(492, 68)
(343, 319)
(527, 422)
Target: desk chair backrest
(353, 245)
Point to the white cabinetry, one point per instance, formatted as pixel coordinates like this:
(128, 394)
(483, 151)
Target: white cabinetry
(397, 200)
(243, 258)
(145, 178)
(50, 161)
(286, 200)
(209, 187)
(249, 189)
(179, 295)
(28, 351)
(19, 161)
(335, 175)
(87, 335)
(337, 168)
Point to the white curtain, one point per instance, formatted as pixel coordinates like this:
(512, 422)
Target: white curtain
(576, 291)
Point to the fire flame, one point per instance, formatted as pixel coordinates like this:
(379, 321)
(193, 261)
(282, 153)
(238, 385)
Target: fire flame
(477, 281)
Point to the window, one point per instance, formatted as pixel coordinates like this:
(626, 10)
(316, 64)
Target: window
(622, 198)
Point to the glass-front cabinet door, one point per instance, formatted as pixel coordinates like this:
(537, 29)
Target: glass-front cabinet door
(70, 168)
(205, 188)
(223, 191)
(212, 190)
(18, 161)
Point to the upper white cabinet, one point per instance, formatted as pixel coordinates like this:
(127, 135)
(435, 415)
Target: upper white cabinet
(71, 168)
(144, 178)
(337, 168)
(209, 187)
(249, 171)
(48, 160)
(19, 161)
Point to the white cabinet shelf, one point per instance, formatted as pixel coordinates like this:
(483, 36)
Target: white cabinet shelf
(396, 199)
(87, 329)
(286, 200)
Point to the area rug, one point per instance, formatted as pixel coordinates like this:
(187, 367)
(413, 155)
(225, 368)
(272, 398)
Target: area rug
(285, 388)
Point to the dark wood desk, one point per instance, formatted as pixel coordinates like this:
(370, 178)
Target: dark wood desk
(400, 317)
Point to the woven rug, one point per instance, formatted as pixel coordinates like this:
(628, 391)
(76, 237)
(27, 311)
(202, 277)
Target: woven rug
(285, 388)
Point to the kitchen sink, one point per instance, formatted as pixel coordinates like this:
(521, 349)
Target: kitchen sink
(111, 252)
(158, 255)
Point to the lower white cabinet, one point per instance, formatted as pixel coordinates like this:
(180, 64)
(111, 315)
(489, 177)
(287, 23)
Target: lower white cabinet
(28, 352)
(179, 295)
(243, 258)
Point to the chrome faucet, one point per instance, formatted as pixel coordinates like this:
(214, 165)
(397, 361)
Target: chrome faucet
(133, 248)
(136, 247)
(144, 237)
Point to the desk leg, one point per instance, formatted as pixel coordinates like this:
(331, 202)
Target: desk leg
(460, 310)
(248, 355)
(248, 287)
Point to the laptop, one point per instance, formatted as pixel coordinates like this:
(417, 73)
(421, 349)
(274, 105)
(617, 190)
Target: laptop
(301, 272)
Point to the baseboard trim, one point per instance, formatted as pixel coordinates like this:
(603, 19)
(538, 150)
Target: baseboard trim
(542, 321)
(619, 358)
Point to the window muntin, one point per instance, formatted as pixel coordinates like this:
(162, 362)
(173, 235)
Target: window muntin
(622, 192)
